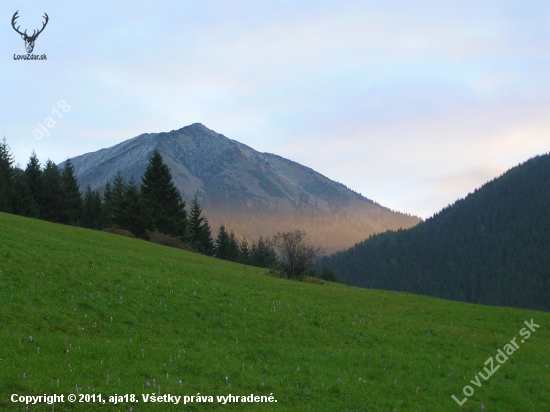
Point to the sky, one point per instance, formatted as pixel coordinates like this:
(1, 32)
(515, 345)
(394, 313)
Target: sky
(412, 104)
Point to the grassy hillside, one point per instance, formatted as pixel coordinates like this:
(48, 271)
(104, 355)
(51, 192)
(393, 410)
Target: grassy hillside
(108, 314)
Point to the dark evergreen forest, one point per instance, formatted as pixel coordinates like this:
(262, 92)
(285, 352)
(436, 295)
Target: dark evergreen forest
(492, 247)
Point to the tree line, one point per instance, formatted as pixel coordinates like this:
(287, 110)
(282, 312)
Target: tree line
(154, 210)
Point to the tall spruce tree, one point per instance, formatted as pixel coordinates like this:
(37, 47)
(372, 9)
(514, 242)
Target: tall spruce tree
(33, 179)
(114, 200)
(233, 248)
(21, 200)
(162, 198)
(244, 251)
(6, 177)
(222, 243)
(52, 205)
(92, 216)
(134, 216)
(107, 206)
(72, 199)
(199, 230)
(262, 254)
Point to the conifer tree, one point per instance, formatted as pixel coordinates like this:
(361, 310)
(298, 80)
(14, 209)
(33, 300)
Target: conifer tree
(262, 254)
(33, 179)
(72, 199)
(21, 200)
(115, 205)
(222, 243)
(233, 248)
(162, 199)
(6, 177)
(199, 230)
(134, 216)
(206, 243)
(53, 195)
(107, 213)
(327, 274)
(92, 209)
(244, 251)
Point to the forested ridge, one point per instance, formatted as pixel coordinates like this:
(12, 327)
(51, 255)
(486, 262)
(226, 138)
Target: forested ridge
(492, 247)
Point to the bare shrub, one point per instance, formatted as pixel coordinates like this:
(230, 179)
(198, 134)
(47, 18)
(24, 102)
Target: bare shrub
(295, 253)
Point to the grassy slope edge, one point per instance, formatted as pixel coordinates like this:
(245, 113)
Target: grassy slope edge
(122, 312)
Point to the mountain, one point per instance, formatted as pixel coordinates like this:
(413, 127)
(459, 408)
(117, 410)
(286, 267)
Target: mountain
(250, 192)
(493, 247)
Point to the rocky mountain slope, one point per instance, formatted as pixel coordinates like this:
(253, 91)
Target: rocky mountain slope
(250, 192)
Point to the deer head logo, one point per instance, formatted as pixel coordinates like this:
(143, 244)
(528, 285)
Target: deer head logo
(29, 40)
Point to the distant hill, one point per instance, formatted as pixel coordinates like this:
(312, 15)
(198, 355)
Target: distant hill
(250, 192)
(493, 247)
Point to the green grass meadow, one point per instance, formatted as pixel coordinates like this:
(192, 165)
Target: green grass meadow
(107, 314)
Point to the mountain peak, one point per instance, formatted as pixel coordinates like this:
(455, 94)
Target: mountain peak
(250, 192)
(198, 127)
